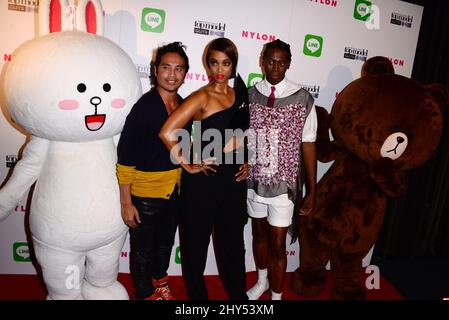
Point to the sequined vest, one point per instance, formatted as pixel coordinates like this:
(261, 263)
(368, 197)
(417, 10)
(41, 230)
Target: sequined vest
(274, 142)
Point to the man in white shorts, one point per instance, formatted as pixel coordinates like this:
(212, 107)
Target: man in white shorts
(282, 132)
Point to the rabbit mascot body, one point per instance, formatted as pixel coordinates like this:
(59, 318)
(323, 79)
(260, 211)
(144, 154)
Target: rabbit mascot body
(71, 90)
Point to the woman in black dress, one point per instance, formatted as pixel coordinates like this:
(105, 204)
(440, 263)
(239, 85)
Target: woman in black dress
(213, 187)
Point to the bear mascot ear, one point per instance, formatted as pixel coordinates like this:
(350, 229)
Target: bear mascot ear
(376, 66)
(439, 93)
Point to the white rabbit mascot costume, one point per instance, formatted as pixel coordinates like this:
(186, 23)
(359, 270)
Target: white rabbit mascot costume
(71, 89)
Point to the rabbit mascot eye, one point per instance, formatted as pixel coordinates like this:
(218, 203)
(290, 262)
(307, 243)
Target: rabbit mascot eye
(71, 90)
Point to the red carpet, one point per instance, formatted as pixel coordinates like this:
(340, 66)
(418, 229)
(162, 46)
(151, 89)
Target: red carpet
(29, 287)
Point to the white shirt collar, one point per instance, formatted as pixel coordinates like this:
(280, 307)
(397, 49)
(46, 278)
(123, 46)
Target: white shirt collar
(280, 87)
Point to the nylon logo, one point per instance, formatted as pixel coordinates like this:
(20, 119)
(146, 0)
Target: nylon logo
(328, 3)
(153, 20)
(258, 36)
(396, 61)
(197, 76)
(20, 208)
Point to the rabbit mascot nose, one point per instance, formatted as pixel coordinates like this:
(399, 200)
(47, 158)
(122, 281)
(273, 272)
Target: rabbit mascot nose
(71, 90)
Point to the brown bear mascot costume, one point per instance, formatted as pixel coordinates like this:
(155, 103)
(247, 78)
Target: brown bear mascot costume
(382, 125)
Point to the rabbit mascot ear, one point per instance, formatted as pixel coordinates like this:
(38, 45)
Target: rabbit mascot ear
(90, 16)
(71, 90)
(53, 16)
(56, 16)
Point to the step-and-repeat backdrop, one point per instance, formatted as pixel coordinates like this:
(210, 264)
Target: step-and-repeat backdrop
(330, 40)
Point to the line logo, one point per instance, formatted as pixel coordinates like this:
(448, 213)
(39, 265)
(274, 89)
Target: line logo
(153, 20)
(21, 252)
(178, 255)
(313, 45)
(254, 78)
(362, 10)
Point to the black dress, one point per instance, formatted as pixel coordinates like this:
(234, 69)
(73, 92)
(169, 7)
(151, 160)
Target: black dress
(215, 203)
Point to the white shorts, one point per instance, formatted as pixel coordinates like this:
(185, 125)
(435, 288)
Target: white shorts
(278, 215)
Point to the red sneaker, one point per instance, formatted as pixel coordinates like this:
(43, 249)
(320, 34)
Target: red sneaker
(162, 289)
(154, 296)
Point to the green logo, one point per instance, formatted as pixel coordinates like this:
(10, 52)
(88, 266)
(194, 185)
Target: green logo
(362, 10)
(254, 78)
(153, 20)
(21, 252)
(313, 45)
(178, 255)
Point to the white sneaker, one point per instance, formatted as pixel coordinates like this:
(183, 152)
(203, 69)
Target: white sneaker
(257, 290)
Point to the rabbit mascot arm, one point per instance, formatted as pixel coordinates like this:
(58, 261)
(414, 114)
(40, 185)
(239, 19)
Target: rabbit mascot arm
(71, 90)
